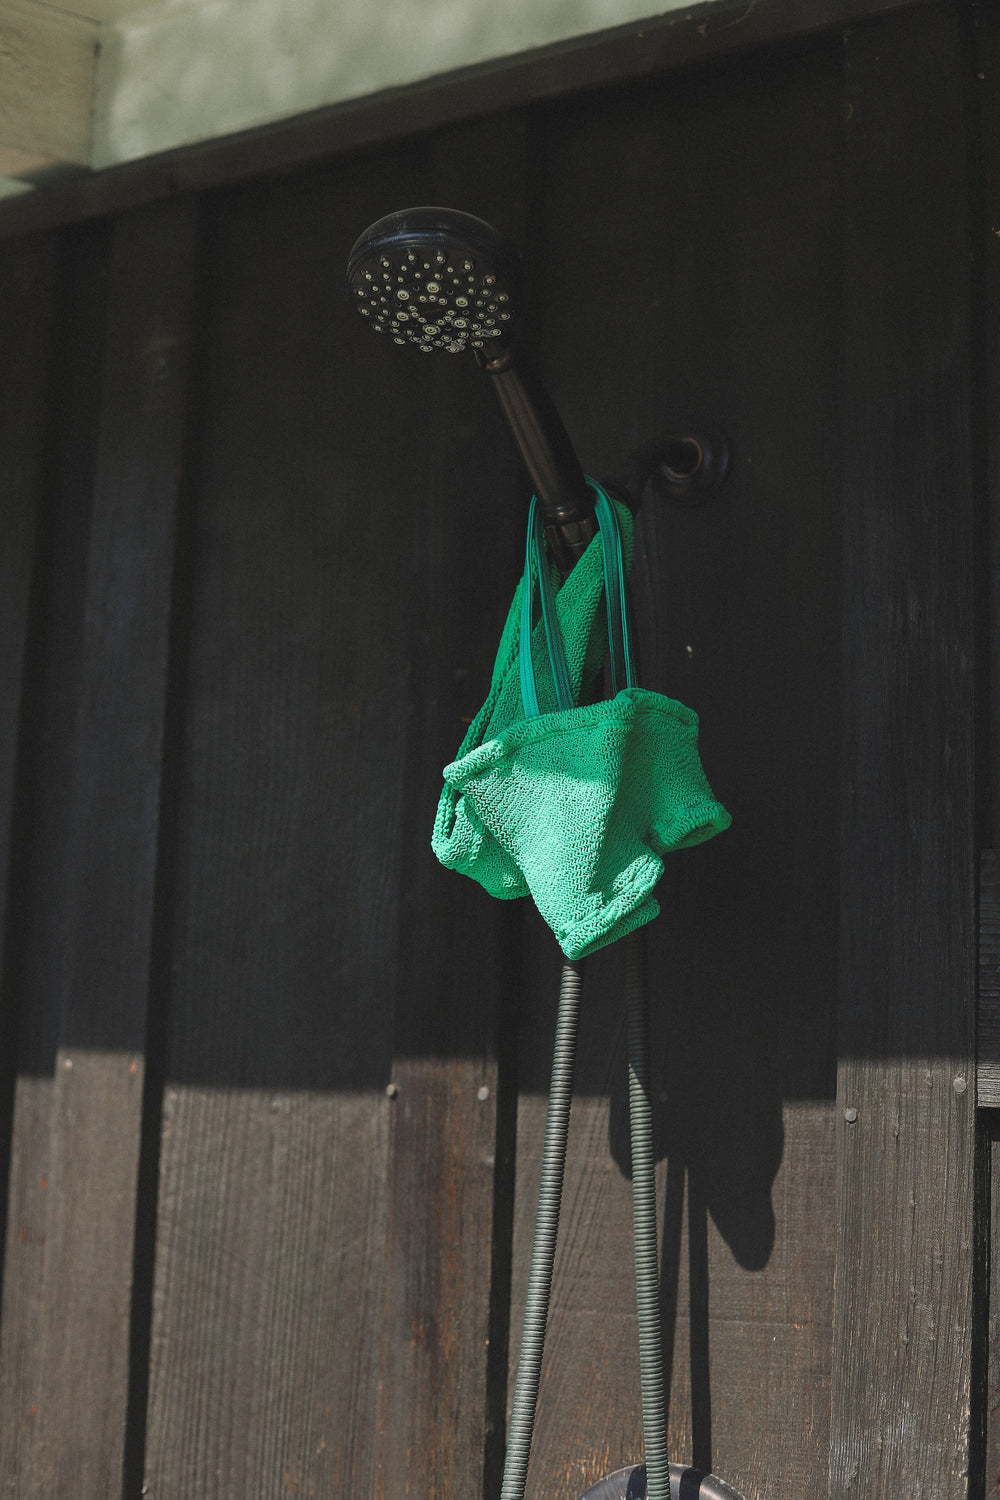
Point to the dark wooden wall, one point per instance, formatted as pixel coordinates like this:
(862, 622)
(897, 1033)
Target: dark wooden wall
(272, 1087)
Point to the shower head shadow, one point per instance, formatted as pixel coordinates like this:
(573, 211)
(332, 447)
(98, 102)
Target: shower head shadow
(444, 280)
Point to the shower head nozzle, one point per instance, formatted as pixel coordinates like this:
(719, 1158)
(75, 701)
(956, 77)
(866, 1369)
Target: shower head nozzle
(436, 278)
(441, 279)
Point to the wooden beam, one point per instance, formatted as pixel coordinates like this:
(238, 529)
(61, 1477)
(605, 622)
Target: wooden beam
(98, 10)
(612, 56)
(906, 1204)
(47, 70)
(259, 62)
(17, 163)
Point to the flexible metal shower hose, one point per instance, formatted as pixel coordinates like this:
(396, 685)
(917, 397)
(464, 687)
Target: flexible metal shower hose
(536, 1309)
(647, 1278)
(547, 1224)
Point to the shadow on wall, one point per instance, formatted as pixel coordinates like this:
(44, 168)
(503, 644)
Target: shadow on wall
(718, 1112)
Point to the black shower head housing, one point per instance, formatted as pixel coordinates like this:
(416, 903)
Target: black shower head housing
(442, 279)
(436, 278)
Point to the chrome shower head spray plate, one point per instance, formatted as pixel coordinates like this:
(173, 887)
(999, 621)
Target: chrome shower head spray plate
(436, 278)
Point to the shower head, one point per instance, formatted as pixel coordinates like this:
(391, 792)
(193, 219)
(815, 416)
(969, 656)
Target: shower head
(442, 279)
(436, 278)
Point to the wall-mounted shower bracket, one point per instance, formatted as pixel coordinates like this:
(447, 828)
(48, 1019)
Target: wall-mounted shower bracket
(685, 469)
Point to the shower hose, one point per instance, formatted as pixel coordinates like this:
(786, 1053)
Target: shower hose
(547, 1221)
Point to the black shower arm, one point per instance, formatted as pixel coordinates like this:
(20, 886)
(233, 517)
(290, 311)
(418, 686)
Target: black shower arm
(443, 279)
(548, 454)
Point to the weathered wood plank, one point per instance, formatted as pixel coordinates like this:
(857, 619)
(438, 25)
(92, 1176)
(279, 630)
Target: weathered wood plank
(986, 263)
(906, 1098)
(589, 1415)
(47, 69)
(989, 1366)
(432, 1410)
(93, 1012)
(711, 303)
(279, 903)
(323, 1289)
(608, 58)
(27, 312)
(271, 1219)
(985, 100)
(988, 1020)
(985, 117)
(451, 1177)
(28, 276)
(318, 953)
(722, 1316)
(36, 897)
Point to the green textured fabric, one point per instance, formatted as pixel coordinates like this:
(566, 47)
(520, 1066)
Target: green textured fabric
(577, 807)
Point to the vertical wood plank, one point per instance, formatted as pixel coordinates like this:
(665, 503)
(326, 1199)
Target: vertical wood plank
(103, 929)
(985, 116)
(28, 277)
(322, 1286)
(279, 896)
(906, 1087)
(990, 1394)
(710, 281)
(33, 958)
(985, 98)
(266, 1304)
(988, 1017)
(588, 1421)
(450, 1178)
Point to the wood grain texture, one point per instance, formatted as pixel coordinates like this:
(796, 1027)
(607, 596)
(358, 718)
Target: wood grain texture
(988, 1016)
(985, 114)
(451, 1175)
(710, 282)
(906, 1126)
(281, 898)
(28, 271)
(432, 1408)
(990, 1395)
(47, 65)
(611, 58)
(271, 1218)
(37, 896)
(589, 1416)
(94, 1013)
(112, 850)
(985, 119)
(312, 1126)
(337, 647)
(723, 1320)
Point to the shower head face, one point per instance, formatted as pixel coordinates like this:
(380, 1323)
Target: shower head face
(436, 278)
